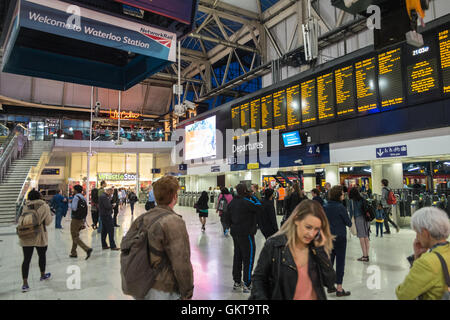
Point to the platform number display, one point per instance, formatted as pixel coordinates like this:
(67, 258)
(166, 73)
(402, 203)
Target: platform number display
(314, 150)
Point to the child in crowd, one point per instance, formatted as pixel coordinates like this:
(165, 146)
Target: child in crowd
(379, 218)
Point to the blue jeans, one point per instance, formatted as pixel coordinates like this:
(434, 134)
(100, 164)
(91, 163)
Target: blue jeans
(58, 219)
(100, 224)
(379, 226)
(107, 230)
(339, 251)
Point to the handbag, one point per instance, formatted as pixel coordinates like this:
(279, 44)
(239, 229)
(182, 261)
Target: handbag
(446, 276)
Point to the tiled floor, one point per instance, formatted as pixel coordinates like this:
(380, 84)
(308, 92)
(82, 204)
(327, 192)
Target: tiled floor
(211, 256)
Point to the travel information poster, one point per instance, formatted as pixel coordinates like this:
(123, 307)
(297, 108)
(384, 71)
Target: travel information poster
(390, 79)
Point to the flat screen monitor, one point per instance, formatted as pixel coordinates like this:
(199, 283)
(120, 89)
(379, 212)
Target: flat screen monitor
(292, 139)
(200, 139)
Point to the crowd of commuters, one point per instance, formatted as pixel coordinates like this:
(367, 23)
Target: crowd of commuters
(296, 262)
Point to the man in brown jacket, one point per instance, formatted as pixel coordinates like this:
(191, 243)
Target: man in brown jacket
(169, 236)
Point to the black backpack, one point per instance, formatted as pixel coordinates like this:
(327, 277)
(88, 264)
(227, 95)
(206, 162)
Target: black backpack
(81, 212)
(369, 212)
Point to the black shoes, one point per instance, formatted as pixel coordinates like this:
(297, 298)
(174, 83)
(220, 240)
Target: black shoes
(342, 293)
(73, 256)
(106, 248)
(332, 290)
(88, 253)
(364, 259)
(115, 249)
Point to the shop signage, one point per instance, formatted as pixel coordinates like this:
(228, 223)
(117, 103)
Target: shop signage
(50, 171)
(124, 115)
(117, 176)
(156, 170)
(394, 151)
(251, 166)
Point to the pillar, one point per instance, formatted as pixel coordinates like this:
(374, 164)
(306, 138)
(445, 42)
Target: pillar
(256, 177)
(393, 172)
(309, 179)
(332, 175)
(137, 173)
(377, 176)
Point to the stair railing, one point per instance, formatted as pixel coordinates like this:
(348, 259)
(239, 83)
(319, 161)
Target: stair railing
(32, 180)
(14, 148)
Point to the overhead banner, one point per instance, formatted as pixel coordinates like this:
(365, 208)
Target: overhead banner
(180, 10)
(51, 16)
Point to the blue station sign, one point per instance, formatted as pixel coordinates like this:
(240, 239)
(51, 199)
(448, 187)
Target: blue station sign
(393, 151)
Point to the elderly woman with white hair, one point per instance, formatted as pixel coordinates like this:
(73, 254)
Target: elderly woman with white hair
(426, 279)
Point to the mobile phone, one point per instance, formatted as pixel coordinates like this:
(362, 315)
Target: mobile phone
(317, 238)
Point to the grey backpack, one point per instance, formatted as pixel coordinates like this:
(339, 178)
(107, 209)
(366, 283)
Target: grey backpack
(446, 276)
(138, 277)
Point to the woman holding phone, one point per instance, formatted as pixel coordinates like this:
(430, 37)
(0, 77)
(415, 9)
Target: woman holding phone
(294, 263)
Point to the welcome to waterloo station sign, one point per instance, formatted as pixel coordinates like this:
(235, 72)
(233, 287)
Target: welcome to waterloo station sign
(117, 176)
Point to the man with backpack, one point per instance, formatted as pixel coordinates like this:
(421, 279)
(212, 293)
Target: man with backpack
(156, 257)
(222, 207)
(79, 213)
(387, 200)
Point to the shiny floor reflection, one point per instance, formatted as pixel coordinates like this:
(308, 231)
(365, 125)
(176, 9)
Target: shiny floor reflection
(211, 256)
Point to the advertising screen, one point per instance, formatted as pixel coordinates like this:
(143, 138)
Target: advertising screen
(201, 139)
(291, 139)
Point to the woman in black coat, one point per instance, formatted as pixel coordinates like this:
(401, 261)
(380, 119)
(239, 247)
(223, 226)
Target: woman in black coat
(202, 208)
(294, 263)
(293, 200)
(268, 219)
(338, 217)
(115, 199)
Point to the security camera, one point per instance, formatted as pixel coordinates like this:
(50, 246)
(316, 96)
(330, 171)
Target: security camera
(98, 104)
(190, 105)
(180, 110)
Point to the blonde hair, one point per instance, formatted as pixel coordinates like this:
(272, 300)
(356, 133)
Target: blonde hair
(304, 209)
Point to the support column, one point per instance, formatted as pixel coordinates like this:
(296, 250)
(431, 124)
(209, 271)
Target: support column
(393, 172)
(377, 176)
(309, 180)
(256, 177)
(332, 175)
(137, 174)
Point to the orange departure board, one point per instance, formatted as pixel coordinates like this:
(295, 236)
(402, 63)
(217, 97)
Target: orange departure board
(245, 116)
(279, 110)
(236, 117)
(255, 115)
(266, 112)
(293, 106)
(444, 49)
(366, 85)
(309, 105)
(325, 97)
(390, 79)
(345, 93)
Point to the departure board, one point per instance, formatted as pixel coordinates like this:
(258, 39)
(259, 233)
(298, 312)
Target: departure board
(390, 79)
(309, 105)
(366, 85)
(236, 117)
(266, 112)
(345, 93)
(422, 77)
(255, 114)
(325, 97)
(279, 110)
(293, 106)
(444, 49)
(245, 116)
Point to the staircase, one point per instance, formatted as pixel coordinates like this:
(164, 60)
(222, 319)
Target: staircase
(15, 178)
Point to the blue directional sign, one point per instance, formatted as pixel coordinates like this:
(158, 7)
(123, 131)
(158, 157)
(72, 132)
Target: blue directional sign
(182, 167)
(393, 151)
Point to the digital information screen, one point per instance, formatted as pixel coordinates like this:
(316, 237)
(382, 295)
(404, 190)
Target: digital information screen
(422, 77)
(325, 96)
(366, 85)
(266, 112)
(345, 93)
(255, 114)
(245, 116)
(291, 139)
(390, 79)
(309, 105)
(279, 110)
(200, 139)
(236, 117)
(293, 106)
(444, 48)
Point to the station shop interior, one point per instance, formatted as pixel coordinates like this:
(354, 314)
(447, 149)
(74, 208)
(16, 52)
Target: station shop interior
(339, 100)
